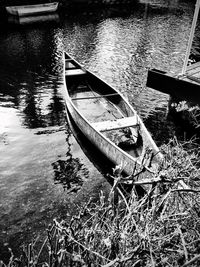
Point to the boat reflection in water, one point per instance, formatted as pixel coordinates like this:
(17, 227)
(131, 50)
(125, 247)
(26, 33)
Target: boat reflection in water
(34, 19)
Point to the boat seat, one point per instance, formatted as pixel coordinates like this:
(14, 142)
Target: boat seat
(74, 72)
(103, 126)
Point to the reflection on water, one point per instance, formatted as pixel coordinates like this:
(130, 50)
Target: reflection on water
(33, 78)
(37, 156)
(33, 19)
(69, 171)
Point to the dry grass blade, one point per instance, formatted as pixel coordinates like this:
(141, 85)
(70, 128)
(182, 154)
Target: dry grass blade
(160, 228)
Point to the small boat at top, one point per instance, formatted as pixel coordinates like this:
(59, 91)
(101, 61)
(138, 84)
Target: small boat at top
(36, 9)
(107, 119)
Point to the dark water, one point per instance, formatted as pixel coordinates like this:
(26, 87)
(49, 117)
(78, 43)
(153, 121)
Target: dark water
(36, 147)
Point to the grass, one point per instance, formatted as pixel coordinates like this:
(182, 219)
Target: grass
(160, 229)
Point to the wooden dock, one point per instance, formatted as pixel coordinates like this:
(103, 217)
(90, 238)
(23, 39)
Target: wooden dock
(192, 74)
(185, 86)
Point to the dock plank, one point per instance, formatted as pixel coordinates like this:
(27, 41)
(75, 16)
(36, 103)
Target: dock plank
(193, 66)
(193, 69)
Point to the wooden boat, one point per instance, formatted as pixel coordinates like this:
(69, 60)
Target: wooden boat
(107, 119)
(36, 9)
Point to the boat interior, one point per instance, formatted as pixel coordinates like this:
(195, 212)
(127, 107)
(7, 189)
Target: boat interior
(103, 107)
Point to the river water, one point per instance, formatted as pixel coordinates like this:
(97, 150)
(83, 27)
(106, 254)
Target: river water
(44, 173)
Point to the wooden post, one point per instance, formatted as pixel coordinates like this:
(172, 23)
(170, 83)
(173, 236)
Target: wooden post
(195, 17)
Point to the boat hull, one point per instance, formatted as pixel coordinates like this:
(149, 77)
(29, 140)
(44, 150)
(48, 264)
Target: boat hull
(28, 10)
(128, 163)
